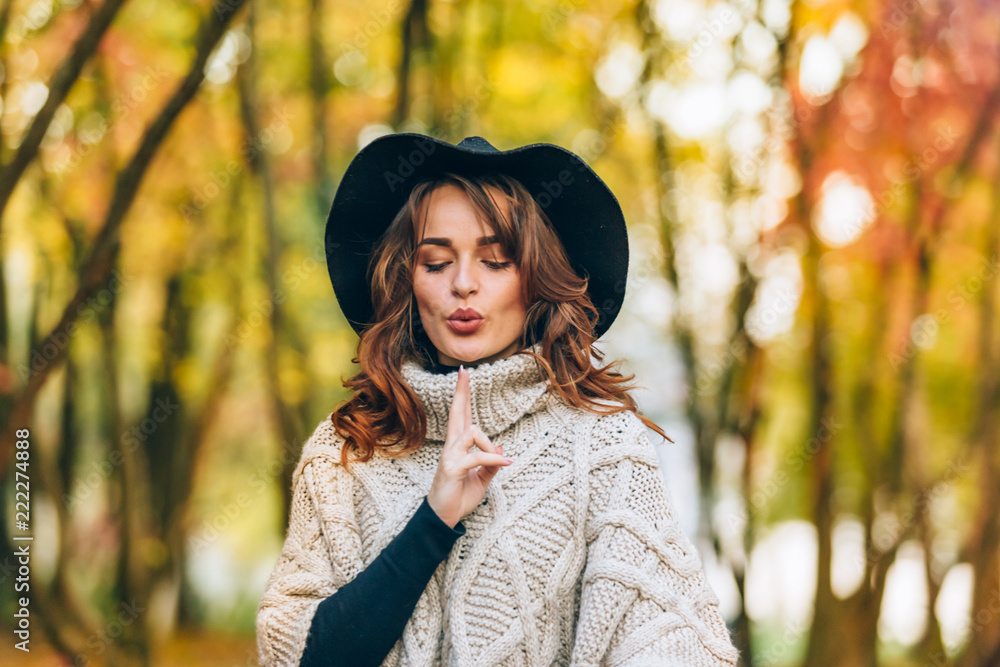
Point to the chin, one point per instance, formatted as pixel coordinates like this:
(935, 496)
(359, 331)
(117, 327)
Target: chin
(466, 351)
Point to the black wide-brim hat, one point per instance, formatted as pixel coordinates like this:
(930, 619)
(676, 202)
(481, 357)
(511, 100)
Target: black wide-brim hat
(584, 212)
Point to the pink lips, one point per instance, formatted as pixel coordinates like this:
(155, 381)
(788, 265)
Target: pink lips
(464, 326)
(465, 320)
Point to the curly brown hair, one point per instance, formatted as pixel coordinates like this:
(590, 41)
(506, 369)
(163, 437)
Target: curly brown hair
(384, 411)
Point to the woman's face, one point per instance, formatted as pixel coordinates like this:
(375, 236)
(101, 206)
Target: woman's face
(458, 268)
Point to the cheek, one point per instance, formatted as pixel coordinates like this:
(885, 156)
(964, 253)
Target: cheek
(424, 292)
(511, 294)
(419, 291)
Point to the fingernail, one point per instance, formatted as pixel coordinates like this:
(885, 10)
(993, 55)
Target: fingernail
(460, 367)
(508, 460)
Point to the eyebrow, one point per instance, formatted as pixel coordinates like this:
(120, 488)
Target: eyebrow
(435, 240)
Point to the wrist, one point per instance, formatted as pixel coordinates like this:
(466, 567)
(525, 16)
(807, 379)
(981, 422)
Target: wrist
(444, 519)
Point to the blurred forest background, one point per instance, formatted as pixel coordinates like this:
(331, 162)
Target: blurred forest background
(813, 195)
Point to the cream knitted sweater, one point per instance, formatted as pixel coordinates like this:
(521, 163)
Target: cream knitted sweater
(575, 557)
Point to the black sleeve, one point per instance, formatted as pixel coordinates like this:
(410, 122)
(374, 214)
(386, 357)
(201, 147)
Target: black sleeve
(360, 623)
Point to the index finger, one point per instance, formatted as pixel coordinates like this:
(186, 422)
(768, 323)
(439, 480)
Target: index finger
(457, 414)
(467, 403)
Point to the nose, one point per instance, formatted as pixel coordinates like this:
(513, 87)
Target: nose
(464, 282)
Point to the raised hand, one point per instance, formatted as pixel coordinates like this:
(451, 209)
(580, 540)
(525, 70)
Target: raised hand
(462, 475)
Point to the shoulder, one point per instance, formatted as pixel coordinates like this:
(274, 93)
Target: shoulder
(618, 436)
(605, 434)
(321, 477)
(616, 426)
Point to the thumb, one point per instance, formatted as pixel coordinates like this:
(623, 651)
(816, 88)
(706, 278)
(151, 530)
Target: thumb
(487, 473)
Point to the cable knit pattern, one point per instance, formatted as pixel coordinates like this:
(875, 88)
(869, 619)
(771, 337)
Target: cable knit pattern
(575, 557)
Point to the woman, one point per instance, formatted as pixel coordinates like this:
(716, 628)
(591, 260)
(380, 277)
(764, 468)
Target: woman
(488, 495)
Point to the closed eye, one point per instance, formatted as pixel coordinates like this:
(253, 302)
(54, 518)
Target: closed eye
(493, 266)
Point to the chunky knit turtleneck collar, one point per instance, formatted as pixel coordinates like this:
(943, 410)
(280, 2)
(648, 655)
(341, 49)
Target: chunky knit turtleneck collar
(503, 391)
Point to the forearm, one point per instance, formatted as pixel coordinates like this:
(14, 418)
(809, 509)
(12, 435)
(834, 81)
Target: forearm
(360, 623)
